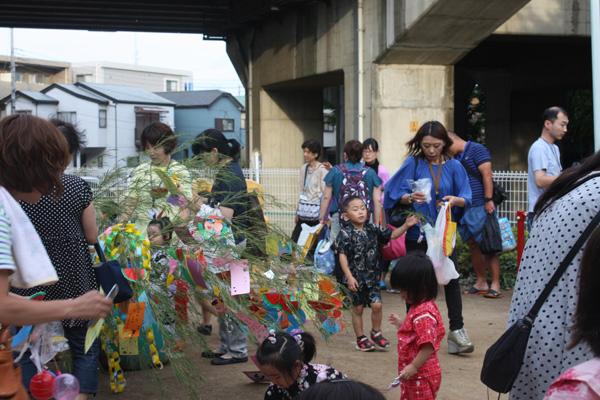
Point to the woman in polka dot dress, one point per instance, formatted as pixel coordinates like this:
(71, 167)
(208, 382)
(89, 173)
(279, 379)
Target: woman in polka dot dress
(285, 361)
(561, 215)
(66, 225)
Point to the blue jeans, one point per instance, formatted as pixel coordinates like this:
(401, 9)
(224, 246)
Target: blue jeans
(85, 366)
(233, 338)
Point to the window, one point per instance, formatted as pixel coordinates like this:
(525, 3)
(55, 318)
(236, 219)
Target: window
(24, 112)
(225, 124)
(67, 116)
(83, 78)
(102, 119)
(171, 85)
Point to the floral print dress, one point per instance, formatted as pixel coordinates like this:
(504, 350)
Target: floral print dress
(309, 375)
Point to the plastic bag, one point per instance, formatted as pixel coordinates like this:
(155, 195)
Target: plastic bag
(394, 248)
(508, 238)
(421, 185)
(491, 241)
(324, 255)
(444, 267)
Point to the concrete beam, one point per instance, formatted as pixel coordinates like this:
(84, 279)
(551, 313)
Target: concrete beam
(447, 30)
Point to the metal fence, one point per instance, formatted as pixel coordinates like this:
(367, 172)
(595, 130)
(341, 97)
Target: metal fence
(281, 188)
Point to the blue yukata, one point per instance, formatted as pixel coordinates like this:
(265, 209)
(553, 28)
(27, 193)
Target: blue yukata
(454, 181)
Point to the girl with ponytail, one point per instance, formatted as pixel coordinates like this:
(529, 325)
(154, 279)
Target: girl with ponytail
(285, 360)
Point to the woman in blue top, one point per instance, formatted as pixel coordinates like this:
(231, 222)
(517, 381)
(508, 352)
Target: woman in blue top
(429, 159)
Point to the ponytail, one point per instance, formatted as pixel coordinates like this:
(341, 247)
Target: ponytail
(214, 139)
(282, 350)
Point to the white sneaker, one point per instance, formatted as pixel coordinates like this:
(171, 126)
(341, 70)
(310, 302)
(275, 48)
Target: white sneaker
(459, 342)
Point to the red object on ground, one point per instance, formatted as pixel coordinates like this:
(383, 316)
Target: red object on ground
(521, 218)
(41, 385)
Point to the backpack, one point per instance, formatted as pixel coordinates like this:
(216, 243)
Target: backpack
(354, 185)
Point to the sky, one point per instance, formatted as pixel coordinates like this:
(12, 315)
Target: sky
(207, 59)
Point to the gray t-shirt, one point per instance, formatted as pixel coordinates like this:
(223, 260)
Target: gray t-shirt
(543, 156)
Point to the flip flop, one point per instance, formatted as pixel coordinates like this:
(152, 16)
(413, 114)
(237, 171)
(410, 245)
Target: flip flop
(492, 294)
(474, 290)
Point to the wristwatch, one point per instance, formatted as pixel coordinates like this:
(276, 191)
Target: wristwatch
(488, 199)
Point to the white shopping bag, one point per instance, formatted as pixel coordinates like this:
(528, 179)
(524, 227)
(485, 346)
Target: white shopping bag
(444, 268)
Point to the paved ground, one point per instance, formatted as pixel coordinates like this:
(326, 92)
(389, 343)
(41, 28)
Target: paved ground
(485, 319)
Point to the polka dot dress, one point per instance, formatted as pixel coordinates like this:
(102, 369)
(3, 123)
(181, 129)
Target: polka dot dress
(58, 222)
(553, 235)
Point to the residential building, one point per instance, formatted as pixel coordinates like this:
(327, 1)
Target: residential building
(32, 74)
(198, 110)
(152, 79)
(30, 102)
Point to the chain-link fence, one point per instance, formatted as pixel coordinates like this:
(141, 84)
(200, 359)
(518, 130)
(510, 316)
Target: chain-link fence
(281, 187)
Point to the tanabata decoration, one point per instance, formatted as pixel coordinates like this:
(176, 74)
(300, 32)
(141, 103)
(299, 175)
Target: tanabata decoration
(128, 245)
(41, 385)
(66, 387)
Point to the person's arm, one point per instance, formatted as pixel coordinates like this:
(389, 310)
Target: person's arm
(485, 169)
(377, 204)
(409, 223)
(425, 351)
(88, 222)
(460, 185)
(397, 188)
(15, 310)
(327, 194)
(352, 282)
(542, 179)
(227, 212)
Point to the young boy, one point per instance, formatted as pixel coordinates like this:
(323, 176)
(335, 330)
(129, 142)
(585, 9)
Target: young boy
(358, 249)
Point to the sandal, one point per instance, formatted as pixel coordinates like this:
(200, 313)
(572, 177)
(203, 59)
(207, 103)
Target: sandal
(474, 290)
(492, 294)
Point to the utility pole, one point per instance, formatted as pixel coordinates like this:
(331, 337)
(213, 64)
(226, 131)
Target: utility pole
(13, 73)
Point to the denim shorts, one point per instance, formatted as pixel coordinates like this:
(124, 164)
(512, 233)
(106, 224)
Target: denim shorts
(472, 223)
(85, 365)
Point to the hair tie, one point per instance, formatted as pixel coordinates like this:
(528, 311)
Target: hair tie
(297, 335)
(272, 338)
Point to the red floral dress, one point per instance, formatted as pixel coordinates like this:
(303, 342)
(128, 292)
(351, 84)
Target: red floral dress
(423, 324)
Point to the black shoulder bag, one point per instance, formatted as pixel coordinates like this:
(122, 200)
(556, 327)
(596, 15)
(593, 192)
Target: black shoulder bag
(504, 358)
(109, 273)
(498, 194)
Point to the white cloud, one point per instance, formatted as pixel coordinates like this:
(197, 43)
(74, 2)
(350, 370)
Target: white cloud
(207, 60)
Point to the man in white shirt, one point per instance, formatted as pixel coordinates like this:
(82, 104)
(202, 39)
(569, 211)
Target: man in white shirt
(543, 161)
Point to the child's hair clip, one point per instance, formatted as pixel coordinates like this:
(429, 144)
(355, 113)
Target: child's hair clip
(272, 338)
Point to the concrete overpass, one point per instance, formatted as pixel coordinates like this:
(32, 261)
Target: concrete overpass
(385, 66)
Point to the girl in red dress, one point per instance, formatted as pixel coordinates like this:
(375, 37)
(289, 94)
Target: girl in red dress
(421, 332)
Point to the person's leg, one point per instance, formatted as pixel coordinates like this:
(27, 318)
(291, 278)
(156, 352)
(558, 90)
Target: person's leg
(85, 365)
(296, 231)
(454, 304)
(479, 262)
(223, 335)
(238, 341)
(28, 369)
(357, 320)
(494, 263)
(376, 316)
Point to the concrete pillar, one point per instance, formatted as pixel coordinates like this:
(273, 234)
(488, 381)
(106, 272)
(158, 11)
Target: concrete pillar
(404, 97)
(287, 118)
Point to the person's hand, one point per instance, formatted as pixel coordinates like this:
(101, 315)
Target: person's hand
(92, 305)
(450, 199)
(408, 372)
(327, 165)
(418, 197)
(490, 207)
(352, 283)
(411, 221)
(395, 320)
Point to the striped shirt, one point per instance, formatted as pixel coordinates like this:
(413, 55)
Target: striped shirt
(6, 257)
(474, 155)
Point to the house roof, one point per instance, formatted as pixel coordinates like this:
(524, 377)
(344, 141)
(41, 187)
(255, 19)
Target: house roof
(198, 98)
(77, 92)
(34, 97)
(125, 94)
